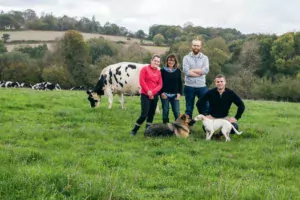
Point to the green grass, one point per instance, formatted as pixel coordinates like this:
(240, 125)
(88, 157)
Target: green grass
(53, 146)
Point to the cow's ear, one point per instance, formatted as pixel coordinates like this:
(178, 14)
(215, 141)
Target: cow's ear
(89, 92)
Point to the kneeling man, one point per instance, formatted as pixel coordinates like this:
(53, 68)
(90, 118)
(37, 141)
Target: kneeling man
(220, 99)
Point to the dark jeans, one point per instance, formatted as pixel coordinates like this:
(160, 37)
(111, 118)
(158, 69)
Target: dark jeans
(148, 107)
(165, 108)
(190, 93)
(236, 126)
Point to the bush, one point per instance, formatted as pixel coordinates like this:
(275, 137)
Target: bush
(287, 90)
(34, 52)
(17, 66)
(158, 39)
(57, 74)
(263, 89)
(2, 47)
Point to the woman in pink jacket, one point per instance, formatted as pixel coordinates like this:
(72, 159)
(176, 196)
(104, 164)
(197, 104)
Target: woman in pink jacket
(151, 82)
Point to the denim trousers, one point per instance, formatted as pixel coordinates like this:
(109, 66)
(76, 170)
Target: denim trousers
(190, 94)
(166, 107)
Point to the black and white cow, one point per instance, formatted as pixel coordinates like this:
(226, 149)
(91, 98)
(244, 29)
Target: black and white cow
(25, 85)
(2, 83)
(46, 86)
(80, 88)
(120, 78)
(10, 84)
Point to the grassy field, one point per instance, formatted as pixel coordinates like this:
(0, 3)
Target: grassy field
(53, 146)
(52, 35)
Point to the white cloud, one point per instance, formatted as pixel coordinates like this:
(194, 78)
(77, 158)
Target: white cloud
(247, 16)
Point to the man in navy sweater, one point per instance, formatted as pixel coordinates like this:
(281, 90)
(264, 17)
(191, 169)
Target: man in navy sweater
(220, 99)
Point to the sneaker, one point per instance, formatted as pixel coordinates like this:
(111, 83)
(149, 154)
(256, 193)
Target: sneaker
(133, 133)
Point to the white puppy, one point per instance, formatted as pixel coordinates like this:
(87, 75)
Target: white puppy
(211, 125)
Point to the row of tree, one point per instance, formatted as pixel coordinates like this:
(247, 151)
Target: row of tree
(28, 19)
(161, 34)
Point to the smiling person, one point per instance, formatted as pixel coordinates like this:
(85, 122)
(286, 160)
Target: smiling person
(171, 89)
(220, 99)
(150, 81)
(195, 68)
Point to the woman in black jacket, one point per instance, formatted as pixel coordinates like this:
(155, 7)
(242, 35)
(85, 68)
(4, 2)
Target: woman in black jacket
(172, 88)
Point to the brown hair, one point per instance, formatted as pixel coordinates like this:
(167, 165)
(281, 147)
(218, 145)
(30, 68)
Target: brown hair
(220, 76)
(155, 56)
(175, 59)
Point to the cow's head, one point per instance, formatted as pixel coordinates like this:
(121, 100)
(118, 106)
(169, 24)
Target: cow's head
(93, 98)
(95, 94)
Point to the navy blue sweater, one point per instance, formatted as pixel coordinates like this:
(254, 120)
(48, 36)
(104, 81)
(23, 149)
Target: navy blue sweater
(220, 104)
(172, 82)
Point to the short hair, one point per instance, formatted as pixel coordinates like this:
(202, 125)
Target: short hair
(175, 59)
(196, 40)
(155, 56)
(220, 76)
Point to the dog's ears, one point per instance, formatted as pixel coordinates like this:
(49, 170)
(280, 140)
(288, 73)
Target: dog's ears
(183, 117)
(89, 91)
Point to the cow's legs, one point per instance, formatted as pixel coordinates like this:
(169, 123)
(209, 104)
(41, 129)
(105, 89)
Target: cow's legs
(110, 98)
(121, 99)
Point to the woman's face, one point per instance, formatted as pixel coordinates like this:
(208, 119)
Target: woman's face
(155, 62)
(171, 62)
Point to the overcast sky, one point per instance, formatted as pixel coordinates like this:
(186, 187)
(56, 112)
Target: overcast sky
(247, 16)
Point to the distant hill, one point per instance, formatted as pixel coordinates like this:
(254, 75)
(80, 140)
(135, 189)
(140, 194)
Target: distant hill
(33, 38)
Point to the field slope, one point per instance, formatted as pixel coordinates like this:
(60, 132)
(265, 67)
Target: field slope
(53, 146)
(52, 35)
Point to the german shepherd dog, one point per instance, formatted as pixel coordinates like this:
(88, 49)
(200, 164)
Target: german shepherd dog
(179, 128)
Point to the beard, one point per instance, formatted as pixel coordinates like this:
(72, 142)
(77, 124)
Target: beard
(196, 51)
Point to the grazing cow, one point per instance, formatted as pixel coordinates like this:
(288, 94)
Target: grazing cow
(9, 84)
(46, 86)
(2, 83)
(120, 78)
(25, 85)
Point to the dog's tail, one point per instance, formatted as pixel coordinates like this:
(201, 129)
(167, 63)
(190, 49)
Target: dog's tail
(236, 131)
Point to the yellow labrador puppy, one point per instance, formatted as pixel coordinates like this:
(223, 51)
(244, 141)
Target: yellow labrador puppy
(211, 125)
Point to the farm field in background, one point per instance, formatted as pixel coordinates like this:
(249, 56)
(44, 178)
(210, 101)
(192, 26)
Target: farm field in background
(52, 35)
(53, 146)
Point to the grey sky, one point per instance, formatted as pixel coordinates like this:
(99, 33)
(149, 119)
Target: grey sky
(247, 16)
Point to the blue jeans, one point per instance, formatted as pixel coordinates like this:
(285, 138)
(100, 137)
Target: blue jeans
(165, 108)
(190, 93)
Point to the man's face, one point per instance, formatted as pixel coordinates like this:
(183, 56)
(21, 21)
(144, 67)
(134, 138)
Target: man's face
(196, 46)
(220, 83)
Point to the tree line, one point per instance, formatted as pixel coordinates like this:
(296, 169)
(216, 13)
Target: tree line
(29, 20)
(160, 34)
